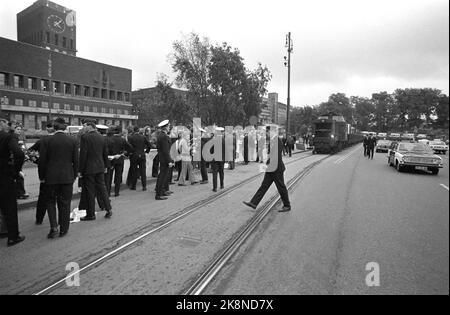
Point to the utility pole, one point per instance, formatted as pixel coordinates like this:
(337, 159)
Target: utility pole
(287, 63)
(50, 83)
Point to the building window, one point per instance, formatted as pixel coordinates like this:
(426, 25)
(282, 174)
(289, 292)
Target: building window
(4, 79)
(66, 107)
(125, 112)
(127, 97)
(56, 40)
(67, 89)
(104, 94)
(103, 110)
(45, 85)
(119, 112)
(87, 91)
(55, 105)
(18, 102)
(71, 44)
(44, 104)
(57, 87)
(18, 81)
(77, 108)
(86, 108)
(32, 103)
(111, 110)
(112, 95)
(94, 110)
(47, 37)
(78, 90)
(95, 92)
(32, 83)
(64, 42)
(119, 96)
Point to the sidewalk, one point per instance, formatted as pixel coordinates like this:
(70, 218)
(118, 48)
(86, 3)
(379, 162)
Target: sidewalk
(32, 182)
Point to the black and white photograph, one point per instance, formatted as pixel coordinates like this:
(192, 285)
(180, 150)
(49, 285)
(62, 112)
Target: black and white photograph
(224, 154)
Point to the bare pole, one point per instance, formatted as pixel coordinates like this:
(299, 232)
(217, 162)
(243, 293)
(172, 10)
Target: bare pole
(290, 49)
(50, 70)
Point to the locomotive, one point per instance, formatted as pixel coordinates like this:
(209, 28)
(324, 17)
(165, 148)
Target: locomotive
(333, 134)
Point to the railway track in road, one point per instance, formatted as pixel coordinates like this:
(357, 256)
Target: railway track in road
(234, 244)
(152, 229)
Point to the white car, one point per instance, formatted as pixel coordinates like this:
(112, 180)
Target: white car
(438, 146)
(419, 156)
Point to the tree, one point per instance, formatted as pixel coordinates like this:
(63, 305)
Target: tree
(364, 112)
(190, 60)
(383, 111)
(442, 112)
(339, 104)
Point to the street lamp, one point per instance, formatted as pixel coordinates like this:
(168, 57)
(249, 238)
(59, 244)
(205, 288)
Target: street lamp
(287, 63)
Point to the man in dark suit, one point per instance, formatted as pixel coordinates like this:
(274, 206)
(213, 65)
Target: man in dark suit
(138, 161)
(58, 167)
(165, 161)
(371, 144)
(41, 208)
(203, 169)
(218, 164)
(93, 166)
(274, 173)
(117, 147)
(365, 143)
(9, 171)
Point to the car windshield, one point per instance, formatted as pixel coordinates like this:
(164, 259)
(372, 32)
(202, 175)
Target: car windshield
(414, 147)
(437, 143)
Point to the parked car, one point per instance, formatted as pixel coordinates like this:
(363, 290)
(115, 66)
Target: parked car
(395, 136)
(438, 146)
(383, 146)
(382, 135)
(421, 136)
(409, 156)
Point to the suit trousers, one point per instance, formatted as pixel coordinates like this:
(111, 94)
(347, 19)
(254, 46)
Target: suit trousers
(60, 195)
(269, 179)
(203, 171)
(42, 203)
(162, 183)
(8, 205)
(218, 168)
(138, 169)
(116, 171)
(370, 151)
(155, 166)
(95, 186)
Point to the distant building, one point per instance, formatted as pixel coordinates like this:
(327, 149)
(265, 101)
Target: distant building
(39, 80)
(273, 112)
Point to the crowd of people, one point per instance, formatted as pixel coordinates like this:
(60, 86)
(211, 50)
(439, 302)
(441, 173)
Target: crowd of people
(98, 163)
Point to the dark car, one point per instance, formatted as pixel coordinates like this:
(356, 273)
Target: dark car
(383, 146)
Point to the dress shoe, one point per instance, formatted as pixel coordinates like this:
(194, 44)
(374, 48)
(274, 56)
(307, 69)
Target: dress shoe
(86, 218)
(53, 233)
(16, 241)
(3, 235)
(171, 183)
(108, 214)
(214, 190)
(204, 182)
(63, 233)
(160, 198)
(222, 187)
(167, 194)
(116, 195)
(194, 183)
(182, 185)
(144, 188)
(38, 223)
(285, 209)
(132, 188)
(249, 204)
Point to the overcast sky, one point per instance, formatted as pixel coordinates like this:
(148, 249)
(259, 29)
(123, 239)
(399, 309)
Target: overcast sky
(355, 47)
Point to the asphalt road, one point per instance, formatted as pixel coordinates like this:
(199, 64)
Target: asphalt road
(350, 212)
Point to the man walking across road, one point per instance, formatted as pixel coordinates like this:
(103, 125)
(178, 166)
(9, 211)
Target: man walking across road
(371, 143)
(365, 144)
(93, 166)
(9, 171)
(58, 167)
(274, 173)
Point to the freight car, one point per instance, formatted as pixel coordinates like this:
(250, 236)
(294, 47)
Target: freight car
(332, 134)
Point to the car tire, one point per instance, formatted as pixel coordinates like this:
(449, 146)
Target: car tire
(434, 171)
(398, 167)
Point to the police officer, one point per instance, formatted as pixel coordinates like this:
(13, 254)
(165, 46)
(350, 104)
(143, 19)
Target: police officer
(138, 160)
(371, 143)
(9, 171)
(219, 162)
(274, 173)
(365, 143)
(117, 148)
(165, 160)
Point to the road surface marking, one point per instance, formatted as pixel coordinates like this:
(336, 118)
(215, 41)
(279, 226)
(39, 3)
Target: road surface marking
(345, 157)
(444, 186)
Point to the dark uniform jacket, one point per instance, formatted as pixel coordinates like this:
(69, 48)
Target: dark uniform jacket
(372, 142)
(216, 140)
(163, 145)
(117, 145)
(280, 168)
(93, 154)
(58, 159)
(139, 144)
(8, 146)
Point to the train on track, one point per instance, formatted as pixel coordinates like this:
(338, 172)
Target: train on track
(331, 134)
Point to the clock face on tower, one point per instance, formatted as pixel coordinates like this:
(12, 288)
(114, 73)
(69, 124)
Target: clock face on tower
(56, 24)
